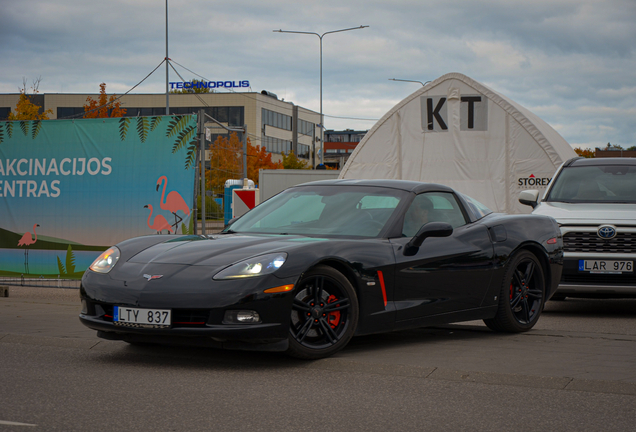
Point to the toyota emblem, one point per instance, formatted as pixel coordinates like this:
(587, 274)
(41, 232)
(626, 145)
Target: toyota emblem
(606, 232)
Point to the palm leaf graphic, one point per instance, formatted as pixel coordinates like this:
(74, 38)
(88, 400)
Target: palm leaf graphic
(23, 126)
(35, 128)
(154, 123)
(60, 266)
(191, 154)
(9, 126)
(177, 124)
(70, 260)
(185, 137)
(142, 128)
(124, 122)
(1, 133)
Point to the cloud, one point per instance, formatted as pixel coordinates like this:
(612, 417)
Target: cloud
(569, 61)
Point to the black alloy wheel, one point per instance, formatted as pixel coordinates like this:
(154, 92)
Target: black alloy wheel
(522, 294)
(324, 314)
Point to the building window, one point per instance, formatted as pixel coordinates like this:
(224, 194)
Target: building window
(275, 119)
(303, 151)
(233, 116)
(275, 145)
(306, 128)
(67, 112)
(4, 113)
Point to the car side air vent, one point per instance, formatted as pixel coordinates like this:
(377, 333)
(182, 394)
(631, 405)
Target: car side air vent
(498, 233)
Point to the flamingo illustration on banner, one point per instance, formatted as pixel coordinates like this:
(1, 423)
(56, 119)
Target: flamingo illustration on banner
(27, 240)
(159, 223)
(173, 202)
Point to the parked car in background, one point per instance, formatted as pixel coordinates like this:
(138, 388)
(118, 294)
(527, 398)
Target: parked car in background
(594, 202)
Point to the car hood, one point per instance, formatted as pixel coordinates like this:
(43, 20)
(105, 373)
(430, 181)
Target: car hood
(217, 251)
(587, 213)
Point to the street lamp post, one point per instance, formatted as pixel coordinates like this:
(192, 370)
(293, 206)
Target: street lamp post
(320, 36)
(167, 64)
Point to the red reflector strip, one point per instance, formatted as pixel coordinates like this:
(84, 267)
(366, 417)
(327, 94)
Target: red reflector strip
(108, 316)
(553, 240)
(381, 277)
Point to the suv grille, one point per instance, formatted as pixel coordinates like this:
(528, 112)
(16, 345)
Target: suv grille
(590, 242)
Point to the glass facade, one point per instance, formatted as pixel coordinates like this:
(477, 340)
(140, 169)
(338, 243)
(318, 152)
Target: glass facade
(275, 145)
(4, 113)
(344, 136)
(233, 116)
(282, 121)
(277, 120)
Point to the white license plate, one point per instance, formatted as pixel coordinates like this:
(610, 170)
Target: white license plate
(606, 266)
(141, 317)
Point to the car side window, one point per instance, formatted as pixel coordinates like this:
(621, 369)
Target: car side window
(432, 207)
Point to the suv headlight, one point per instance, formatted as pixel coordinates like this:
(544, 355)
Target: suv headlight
(106, 261)
(255, 266)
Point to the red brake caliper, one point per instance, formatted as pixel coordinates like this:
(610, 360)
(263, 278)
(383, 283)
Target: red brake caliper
(333, 318)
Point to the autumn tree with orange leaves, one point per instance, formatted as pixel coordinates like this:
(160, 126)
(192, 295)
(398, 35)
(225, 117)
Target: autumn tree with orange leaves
(586, 153)
(107, 105)
(226, 162)
(25, 109)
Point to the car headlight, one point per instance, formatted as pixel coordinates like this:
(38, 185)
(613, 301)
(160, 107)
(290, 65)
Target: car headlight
(255, 266)
(106, 261)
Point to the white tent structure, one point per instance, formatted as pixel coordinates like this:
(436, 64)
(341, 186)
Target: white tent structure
(460, 133)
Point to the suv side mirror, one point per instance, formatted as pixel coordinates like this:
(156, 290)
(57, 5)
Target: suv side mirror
(529, 198)
(431, 229)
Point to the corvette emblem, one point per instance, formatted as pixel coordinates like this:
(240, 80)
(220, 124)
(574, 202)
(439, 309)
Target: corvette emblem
(606, 232)
(151, 277)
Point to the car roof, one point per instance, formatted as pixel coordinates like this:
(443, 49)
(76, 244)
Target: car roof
(406, 185)
(576, 162)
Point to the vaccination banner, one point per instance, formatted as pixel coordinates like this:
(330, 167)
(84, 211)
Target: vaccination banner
(69, 189)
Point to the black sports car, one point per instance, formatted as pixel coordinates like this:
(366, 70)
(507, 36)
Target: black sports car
(313, 266)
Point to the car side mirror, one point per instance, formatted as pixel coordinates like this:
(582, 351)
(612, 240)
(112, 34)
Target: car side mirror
(431, 229)
(230, 222)
(529, 198)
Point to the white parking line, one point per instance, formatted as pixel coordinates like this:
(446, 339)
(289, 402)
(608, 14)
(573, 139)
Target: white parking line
(8, 423)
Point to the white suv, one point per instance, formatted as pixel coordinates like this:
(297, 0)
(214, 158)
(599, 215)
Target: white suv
(594, 202)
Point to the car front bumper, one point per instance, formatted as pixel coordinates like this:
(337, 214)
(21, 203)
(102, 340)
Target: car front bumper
(575, 282)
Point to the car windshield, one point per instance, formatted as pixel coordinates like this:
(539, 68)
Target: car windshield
(591, 184)
(323, 211)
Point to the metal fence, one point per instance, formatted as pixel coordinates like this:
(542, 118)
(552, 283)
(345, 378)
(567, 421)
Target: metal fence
(40, 282)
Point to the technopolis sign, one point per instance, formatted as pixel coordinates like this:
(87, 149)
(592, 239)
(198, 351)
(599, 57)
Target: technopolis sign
(208, 84)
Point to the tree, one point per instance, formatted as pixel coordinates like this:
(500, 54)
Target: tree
(291, 161)
(226, 162)
(613, 147)
(27, 110)
(104, 106)
(586, 153)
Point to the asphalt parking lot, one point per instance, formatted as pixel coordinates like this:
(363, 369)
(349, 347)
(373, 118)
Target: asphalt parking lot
(587, 345)
(576, 370)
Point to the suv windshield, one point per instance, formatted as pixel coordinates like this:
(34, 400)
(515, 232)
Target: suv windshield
(323, 211)
(590, 184)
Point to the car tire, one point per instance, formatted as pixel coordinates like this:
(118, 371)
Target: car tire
(522, 295)
(324, 314)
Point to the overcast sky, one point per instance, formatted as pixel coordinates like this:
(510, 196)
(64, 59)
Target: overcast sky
(571, 62)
